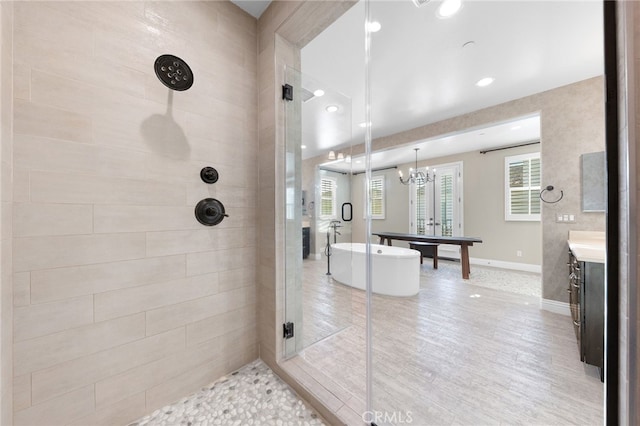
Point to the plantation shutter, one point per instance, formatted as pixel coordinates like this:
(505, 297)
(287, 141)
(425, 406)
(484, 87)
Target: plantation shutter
(522, 200)
(446, 205)
(327, 198)
(421, 207)
(377, 197)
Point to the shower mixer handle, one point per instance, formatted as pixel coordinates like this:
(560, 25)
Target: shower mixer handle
(212, 212)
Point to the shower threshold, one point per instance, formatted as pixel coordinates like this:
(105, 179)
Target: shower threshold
(252, 395)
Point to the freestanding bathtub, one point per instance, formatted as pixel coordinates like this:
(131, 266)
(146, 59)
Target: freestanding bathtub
(396, 270)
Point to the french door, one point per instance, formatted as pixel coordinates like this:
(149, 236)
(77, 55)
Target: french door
(436, 206)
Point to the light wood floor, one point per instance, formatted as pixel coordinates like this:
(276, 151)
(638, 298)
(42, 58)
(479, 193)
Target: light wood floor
(456, 353)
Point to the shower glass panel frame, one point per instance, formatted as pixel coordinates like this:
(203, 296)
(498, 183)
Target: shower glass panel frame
(315, 303)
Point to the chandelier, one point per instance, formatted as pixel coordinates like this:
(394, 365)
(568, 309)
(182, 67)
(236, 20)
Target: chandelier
(415, 175)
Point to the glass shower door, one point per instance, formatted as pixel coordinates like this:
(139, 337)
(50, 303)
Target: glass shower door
(319, 202)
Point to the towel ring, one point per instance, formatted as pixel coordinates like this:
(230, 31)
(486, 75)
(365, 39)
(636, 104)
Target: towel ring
(550, 188)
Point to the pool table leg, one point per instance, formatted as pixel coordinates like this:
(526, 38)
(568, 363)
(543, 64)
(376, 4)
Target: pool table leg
(464, 260)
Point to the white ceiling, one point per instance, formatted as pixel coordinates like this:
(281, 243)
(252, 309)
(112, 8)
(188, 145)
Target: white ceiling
(252, 7)
(420, 72)
(497, 135)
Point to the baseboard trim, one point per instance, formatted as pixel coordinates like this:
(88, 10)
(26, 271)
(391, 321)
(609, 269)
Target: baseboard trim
(526, 267)
(556, 307)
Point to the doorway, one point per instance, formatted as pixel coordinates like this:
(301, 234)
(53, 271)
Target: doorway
(436, 205)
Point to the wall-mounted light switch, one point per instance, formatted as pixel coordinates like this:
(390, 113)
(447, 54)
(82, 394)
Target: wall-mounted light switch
(565, 218)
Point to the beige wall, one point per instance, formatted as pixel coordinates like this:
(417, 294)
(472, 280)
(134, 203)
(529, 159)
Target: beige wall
(123, 301)
(483, 189)
(6, 305)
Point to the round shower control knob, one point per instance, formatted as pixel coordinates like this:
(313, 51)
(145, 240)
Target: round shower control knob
(210, 212)
(209, 175)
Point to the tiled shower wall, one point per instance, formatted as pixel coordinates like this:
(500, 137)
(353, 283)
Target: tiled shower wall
(122, 300)
(6, 308)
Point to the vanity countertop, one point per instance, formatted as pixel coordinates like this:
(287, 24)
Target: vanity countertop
(588, 246)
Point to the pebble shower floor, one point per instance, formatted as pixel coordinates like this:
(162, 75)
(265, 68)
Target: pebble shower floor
(253, 395)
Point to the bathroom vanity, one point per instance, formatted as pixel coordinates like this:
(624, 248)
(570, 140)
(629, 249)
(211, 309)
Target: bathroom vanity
(586, 294)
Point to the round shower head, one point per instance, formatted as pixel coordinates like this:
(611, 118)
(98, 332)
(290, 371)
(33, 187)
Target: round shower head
(173, 72)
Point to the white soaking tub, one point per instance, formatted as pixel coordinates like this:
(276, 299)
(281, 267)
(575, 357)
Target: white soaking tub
(396, 270)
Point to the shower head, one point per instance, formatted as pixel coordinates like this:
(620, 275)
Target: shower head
(173, 72)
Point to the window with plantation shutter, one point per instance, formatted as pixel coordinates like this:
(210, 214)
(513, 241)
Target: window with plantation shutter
(446, 205)
(377, 197)
(421, 207)
(522, 187)
(327, 198)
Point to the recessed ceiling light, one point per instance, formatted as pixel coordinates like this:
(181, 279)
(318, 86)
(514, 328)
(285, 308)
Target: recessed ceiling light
(363, 124)
(374, 26)
(358, 161)
(516, 127)
(318, 93)
(448, 8)
(303, 146)
(485, 82)
(332, 108)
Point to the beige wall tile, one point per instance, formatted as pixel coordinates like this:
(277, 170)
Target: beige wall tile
(202, 375)
(118, 303)
(61, 283)
(145, 218)
(40, 120)
(76, 373)
(50, 252)
(58, 411)
(165, 243)
(185, 384)
(21, 81)
(84, 189)
(120, 386)
(220, 260)
(21, 186)
(52, 28)
(54, 155)
(87, 69)
(121, 413)
(42, 352)
(221, 324)
(236, 278)
(21, 392)
(178, 314)
(21, 289)
(203, 262)
(48, 318)
(62, 93)
(31, 220)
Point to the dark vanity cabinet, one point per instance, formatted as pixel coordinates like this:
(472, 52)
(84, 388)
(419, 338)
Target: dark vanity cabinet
(306, 242)
(586, 299)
